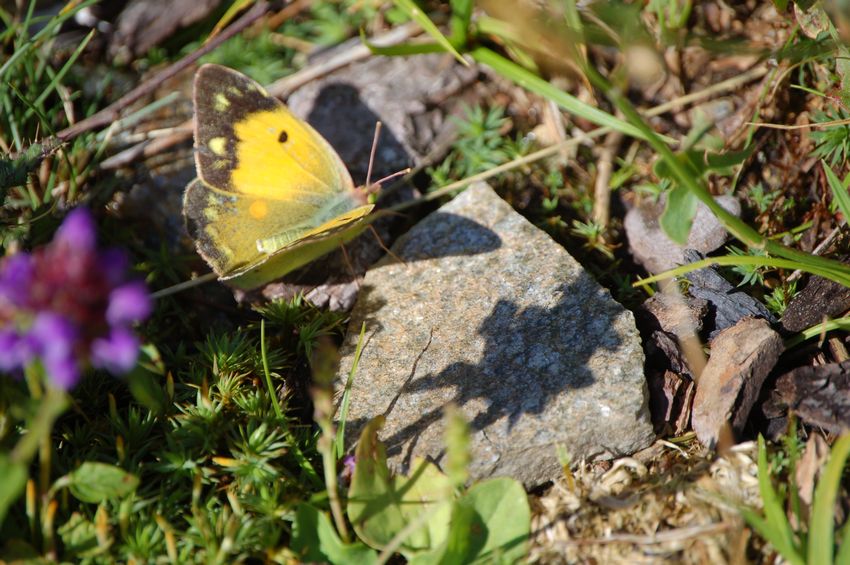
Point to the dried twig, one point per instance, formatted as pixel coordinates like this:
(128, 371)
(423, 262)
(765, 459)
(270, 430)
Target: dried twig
(113, 111)
(281, 88)
(602, 188)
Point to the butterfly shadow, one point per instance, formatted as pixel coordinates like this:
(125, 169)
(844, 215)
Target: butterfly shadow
(352, 135)
(531, 356)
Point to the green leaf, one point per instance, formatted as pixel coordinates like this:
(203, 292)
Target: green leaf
(96, 482)
(380, 506)
(14, 480)
(775, 527)
(679, 214)
(79, 537)
(839, 190)
(457, 447)
(417, 15)
(461, 17)
(821, 527)
(503, 521)
(843, 555)
(147, 390)
(315, 540)
(491, 523)
(704, 162)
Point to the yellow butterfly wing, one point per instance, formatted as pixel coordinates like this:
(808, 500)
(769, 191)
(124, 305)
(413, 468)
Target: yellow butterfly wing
(270, 192)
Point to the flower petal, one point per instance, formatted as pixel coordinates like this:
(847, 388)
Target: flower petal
(62, 370)
(128, 303)
(15, 278)
(77, 231)
(54, 335)
(117, 352)
(114, 263)
(16, 351)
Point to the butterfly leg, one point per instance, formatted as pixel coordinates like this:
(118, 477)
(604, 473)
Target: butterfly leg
(384, 247)
(350, 266)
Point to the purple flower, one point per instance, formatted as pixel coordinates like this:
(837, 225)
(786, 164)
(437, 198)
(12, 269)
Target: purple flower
(77, 231)
(117, 352)
(70, 305)
(128, 303)
(15, 278)
(349, 462)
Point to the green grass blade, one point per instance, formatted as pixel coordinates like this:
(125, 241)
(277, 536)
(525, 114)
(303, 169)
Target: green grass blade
(817, 330)
(266, 373)
(843, 555)
(419, 17)
(782, 536)
(840, 276)
(765, 530)
(681, 174)
(54, 83)
(346, 395)
(839, 190)
(401, 50)
(52, 26)
(822, 525)
(460, 20)
(534, 83)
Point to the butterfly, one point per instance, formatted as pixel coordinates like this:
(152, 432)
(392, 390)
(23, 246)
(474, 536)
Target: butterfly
(272, 194)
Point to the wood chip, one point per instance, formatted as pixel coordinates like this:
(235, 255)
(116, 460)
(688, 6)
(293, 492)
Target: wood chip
(741, 358)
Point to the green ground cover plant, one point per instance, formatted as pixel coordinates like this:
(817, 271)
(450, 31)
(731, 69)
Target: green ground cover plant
(217, 443)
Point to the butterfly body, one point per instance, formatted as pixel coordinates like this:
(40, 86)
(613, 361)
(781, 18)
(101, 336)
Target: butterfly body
(271, 193)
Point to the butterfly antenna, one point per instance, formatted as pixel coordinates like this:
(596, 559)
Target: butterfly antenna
(372, 154)
(392, 176)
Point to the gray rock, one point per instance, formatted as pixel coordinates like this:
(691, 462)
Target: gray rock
(488, 313)
(656, 252)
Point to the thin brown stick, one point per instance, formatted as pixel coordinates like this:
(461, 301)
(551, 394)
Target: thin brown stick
(666, 536)
(280, 89)
(113, 111)
(276, 20)
(604, 170)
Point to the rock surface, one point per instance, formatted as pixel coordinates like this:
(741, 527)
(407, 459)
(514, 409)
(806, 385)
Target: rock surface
(488, 313)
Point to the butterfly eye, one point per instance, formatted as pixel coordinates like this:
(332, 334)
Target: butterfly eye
(283, 136)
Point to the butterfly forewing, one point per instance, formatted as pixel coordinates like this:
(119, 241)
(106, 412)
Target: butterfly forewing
(272, 194)
(249, 143)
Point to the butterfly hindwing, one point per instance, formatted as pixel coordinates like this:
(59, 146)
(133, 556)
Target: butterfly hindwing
(321, 240)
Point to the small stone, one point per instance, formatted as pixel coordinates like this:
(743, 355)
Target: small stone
(488, 313)
(741, 358)
(727, 304)
(820, 298)
(818, 395)
(651, 247)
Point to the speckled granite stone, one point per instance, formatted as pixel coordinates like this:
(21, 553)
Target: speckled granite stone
(489, 313)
